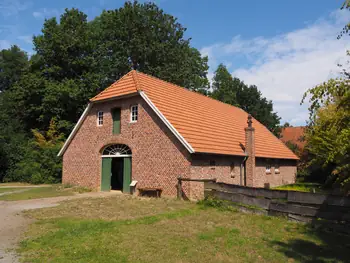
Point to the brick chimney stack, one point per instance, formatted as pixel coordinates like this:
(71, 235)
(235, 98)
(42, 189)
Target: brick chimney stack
(250, 151)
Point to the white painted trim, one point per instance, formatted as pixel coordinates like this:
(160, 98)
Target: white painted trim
(74, 131)
(167, 123)
(98, 118)
(137, 108)
(115, 156)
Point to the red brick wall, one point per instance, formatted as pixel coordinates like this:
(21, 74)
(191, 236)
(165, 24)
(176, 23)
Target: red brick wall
(201, 168)
(287, 174)
(157, 156)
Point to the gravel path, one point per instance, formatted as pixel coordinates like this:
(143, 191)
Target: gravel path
(13, 223)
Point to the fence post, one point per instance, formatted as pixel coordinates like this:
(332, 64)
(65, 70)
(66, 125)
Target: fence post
(179, 188)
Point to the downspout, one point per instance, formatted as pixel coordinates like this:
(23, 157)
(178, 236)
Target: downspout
(243, 171)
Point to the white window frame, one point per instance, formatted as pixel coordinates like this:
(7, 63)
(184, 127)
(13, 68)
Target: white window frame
(277, 168)
(132, 112)
(99, 118)
(268, 168)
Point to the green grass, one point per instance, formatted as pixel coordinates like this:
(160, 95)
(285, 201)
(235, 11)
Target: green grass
(302, 187)
(4, 190)
(127, 229)
(35, 193)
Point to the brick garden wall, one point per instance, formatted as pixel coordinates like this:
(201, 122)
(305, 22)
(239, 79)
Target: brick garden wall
(157, 156)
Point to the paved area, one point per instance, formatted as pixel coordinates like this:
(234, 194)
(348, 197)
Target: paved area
(13, 223)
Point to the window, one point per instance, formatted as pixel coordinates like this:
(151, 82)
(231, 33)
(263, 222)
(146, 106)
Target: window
(277, 168)
(268, 168)
(212, 164)
(116, 121)
(134, 113)
(232, 170)
(100, 118)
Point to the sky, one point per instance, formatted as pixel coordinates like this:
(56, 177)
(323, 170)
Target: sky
(282, 47)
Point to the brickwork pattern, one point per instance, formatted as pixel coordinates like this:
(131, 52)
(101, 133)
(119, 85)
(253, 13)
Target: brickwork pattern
(250, 150)
(157, 156)
(226, 170)
(286, 175)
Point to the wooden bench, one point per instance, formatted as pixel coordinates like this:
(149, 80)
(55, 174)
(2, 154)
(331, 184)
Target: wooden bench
(153, 192)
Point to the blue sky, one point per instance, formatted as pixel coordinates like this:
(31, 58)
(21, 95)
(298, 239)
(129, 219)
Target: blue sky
(284, 47)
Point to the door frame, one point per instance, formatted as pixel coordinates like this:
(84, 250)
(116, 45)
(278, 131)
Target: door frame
(126, 176)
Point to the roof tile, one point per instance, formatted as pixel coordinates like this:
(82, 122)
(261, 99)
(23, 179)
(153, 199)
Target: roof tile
(208, 125)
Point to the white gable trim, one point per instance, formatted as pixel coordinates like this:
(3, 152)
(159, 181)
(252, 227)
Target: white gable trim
(74, 131)
(153, 107)
(167, 123)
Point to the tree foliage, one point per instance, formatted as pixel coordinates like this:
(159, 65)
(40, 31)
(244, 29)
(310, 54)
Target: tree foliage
(13, 62)
(328, 135)
(235, 92)
(40, 163)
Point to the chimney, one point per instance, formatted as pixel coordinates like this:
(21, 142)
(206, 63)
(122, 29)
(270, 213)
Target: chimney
(250, 151)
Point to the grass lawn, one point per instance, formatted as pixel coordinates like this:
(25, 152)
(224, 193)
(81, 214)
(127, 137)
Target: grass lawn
(34, 193)
(130, 229)
(4, 190)
(302, 187)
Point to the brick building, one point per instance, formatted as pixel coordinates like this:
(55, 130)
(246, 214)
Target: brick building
(149, 132)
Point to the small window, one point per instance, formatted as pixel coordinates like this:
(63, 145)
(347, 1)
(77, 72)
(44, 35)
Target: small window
(277, 168)
(268, 168)
(100, 118)
(232, 170)
(134, 113)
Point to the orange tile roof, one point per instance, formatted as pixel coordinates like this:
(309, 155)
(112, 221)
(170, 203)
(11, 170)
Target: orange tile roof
(294, 135)
(208, 125)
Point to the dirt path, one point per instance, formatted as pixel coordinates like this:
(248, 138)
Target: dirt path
(13, 223)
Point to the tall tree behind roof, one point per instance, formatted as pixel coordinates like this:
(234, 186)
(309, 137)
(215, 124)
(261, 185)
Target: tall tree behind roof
(235, 92)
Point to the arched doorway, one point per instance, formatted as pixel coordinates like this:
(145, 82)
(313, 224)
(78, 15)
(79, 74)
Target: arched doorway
(116, 168)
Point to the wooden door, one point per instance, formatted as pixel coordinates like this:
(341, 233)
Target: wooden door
(127, 175)
(106, 174)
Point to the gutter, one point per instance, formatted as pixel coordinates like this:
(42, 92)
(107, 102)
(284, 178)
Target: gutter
(243, 171)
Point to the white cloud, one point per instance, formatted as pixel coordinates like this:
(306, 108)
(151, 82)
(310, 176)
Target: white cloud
(285, 66)
(46, 13)
(13, 7)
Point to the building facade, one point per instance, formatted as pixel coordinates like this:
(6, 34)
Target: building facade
(130, 140)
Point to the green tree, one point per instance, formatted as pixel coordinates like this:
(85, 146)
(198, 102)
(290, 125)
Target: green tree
(40, 163)
(76, 59)
(328, 135)
(235, 92)
(13, 62)
(224, 88)
(142, 36)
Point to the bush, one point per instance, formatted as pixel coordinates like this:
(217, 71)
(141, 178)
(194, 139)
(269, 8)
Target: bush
(40, 163)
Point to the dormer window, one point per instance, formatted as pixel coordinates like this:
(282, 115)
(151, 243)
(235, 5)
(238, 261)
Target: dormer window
(134, 112)
(100, 118)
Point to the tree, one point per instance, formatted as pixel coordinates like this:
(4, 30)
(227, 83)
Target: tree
(40, 163)
(328, 135)
(286, 125)
(235, 92)
(224, 88)
(76, 59)
(13, 62)
(143, 37)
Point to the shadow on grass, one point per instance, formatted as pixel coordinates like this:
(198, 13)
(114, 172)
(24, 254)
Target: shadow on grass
(329, 247)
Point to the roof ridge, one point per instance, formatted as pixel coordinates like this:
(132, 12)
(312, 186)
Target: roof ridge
(112, 85)
(194, 92)
(136, 79)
